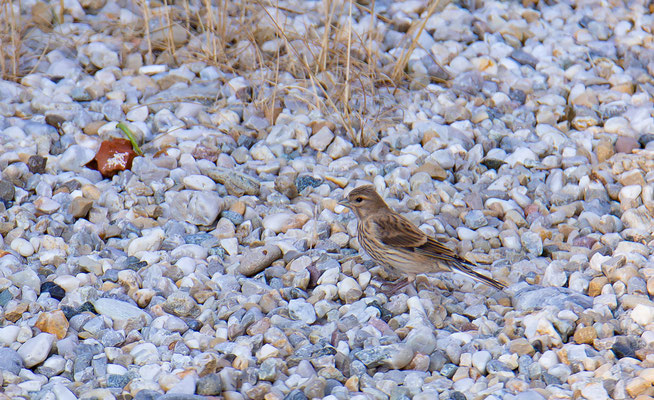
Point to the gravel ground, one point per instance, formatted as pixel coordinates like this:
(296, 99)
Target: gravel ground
(221, 263)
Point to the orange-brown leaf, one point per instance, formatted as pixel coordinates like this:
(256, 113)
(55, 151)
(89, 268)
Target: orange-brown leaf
(114, 155)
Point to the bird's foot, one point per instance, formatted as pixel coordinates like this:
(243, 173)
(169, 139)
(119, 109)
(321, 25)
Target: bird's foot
(392, 288)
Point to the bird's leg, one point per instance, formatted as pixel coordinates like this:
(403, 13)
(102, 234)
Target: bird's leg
(393, 287)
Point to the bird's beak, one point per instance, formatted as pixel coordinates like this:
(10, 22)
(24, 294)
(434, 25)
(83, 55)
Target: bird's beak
(344, 203)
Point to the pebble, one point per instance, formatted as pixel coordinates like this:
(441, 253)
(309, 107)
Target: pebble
(300, 310)
(35, 350)
(121, 313)
(10, 361)
(282, 222)
(7, 191)
(46, 205)
(80, 207)
(150, 242)
(199, 182)
(236, 183)
(321, 139)
(257, 259)
(209, 385)
(22, 247)
(36, 164)
(53, 322)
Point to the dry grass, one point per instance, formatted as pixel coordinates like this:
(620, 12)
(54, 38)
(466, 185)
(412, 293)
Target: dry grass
(337, 69)
(10, 36)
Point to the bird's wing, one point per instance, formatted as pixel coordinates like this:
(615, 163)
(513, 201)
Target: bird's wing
(439, 250)
(395, 230)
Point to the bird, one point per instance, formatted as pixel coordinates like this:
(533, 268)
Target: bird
(391, 239)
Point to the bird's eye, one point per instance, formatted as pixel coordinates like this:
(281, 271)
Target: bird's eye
(358, 199)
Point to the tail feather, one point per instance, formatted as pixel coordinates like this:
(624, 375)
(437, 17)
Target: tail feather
(464, 267)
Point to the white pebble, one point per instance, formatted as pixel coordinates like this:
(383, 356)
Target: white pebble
(199, 182)
(230, 245)
(22, 247)
(150, 242)
(36, 350)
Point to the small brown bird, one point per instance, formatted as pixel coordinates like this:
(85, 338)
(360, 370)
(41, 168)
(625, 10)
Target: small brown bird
(391, 239)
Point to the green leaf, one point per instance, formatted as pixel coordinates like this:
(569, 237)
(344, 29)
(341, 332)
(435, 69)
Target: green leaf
(131, 138)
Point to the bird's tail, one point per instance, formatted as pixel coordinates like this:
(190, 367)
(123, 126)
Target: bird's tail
(464, 267)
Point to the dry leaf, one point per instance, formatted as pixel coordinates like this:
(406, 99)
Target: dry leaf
(114, 155)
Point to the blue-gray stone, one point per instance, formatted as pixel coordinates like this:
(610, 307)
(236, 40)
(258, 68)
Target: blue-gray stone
(303, 182)
(449, 370)
(296, 394)
(117, 381)
(5, 296)
(233, 216)
(10, 361)
(209, 385)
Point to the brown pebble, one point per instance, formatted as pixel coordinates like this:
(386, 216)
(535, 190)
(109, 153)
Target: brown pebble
(92, 127)
(54, 322)
(13, 313)
(596, 284)
(604, 150)
(585, 334)
(434, 170)
(80, 207)
(521, 347)
(36, 164)
(352, 384)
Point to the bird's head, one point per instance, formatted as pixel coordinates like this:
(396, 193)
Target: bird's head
(364, 200)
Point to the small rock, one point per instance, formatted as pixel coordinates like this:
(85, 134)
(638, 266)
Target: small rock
(53, 322)
(199, 182)
(150, 242)
(480, 359)
(585, 334)
(285, 184)
(624, 348)
(36, 164)
(595, 391)
(475, 219)
(209, 385)
(80, 207)
(10, 361)
(305, 181)
(123, 314)
(524, 58)
(22, 247)
(180, 304)
(626, 144)
(144, 353)
(604, 150)
(35, 350)
(300, 310)
(339, 148)
(321, 139)
(56, 291)
(642, 314)
(236, 183)
(257, 259)
(284, 221)
(421, 340)
(46, 205)
(636, 386)
(7, 191)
